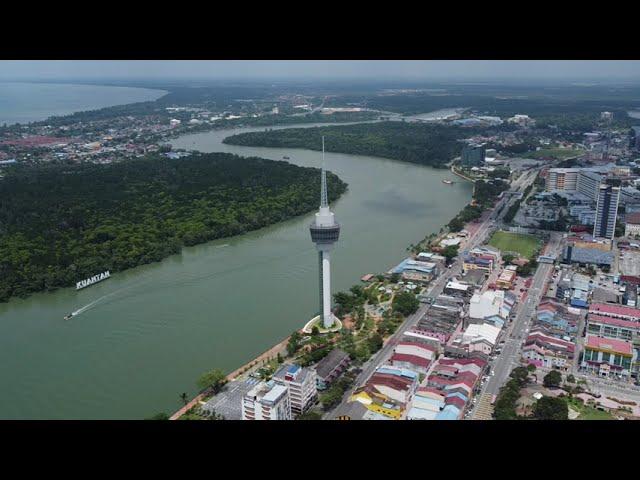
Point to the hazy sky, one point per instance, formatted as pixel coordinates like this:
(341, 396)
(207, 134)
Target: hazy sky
(325, 69)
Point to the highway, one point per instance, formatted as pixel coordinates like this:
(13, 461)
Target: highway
(436, 288)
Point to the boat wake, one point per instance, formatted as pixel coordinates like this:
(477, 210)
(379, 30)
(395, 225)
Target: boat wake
(89, 305)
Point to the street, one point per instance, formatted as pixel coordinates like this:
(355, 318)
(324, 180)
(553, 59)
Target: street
(436, 288)
(516, 333)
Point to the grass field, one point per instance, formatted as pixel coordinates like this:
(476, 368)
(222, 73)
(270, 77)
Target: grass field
(589, 413)
(525, 245)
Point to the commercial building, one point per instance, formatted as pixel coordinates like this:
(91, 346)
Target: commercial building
(615, 311)
(488, 305)
(507, 277)
(480, 338)
(557, 319)
(397, 384)
(606, 212)
(413, 355)
(632, 225)
(416, 270)
(609, 327)
(629, 196)
(562, 179)
(545, 350)
(301, 383)
(483, 258)
(587, 256)
(588, 184)
(331, 367)
(473, 156)
(634, 138)
(267, 401)
(607, 357)
(522, 120)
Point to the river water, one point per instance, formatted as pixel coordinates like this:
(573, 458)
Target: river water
(148, 333)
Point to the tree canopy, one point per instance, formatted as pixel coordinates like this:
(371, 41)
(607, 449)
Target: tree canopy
(60, 224)
(214, 379)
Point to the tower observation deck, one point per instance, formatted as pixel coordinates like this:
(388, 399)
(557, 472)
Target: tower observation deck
(325, 232)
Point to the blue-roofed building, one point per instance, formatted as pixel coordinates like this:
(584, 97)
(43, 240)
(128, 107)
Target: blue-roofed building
(450, 412)
(589, 256)
(417, 270)
(401, 372)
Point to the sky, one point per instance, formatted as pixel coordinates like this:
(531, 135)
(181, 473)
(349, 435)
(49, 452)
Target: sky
(321, 69)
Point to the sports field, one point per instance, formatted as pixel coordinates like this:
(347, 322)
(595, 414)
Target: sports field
(525, 245)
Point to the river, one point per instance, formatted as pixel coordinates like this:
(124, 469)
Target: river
(148, 333)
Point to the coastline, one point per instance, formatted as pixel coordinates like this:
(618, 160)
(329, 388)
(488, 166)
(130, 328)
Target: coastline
(36, 115)
(273, 351)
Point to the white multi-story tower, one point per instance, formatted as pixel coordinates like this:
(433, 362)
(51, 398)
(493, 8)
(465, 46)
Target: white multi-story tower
(324, 233)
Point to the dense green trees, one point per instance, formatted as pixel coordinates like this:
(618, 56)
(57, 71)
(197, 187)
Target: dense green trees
(61, 224)
(405, 303)
(433, 145)
(552, 379)
(551, 408)
(214, 379)
(505, 405)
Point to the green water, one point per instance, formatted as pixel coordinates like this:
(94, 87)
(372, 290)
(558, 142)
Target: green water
(154, 329)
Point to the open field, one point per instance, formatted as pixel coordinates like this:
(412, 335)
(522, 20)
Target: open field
(589, 413)
(525, 245)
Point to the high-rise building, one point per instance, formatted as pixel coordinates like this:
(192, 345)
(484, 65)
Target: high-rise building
(267, 401)
(473, 155)
(588, 184)
(325, 232)
(301, 383)
(634, 138)
(606, 116)
(606, 212)
(562, 179)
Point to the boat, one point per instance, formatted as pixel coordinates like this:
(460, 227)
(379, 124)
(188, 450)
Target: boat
(447, 181)
(285, 158)
(67, 317)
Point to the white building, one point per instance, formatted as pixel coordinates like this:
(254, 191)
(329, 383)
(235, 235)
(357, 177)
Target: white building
(588, 184)
(302, 386)
(522, 120)
(480, 337)
(267, 401)
(632, 225)
(487, 304)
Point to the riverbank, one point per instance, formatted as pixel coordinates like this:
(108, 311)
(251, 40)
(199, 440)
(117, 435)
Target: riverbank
(269, 354)
(216, 304)
(252, 364)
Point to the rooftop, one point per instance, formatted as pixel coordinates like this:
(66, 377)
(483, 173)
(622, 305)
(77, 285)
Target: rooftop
(330, 362)
(609, 344)
(620, 310)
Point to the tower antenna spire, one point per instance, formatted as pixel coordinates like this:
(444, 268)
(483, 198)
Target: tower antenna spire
(323, 193)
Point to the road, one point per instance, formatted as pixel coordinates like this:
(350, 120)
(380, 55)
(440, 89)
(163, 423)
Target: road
(436, 288)
(516, 333)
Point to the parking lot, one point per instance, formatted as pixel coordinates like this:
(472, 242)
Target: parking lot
(228, 403)
(630, 262)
